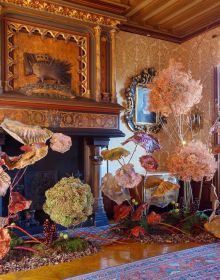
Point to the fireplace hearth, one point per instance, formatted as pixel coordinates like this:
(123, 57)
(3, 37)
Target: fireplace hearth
(40, 177)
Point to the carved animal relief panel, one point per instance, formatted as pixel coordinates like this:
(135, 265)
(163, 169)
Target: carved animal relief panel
(45, 63)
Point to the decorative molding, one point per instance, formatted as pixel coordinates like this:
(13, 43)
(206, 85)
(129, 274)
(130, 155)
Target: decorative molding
(110, 6)
(113, 65)
(60, 119)
(63, 10)
(14, 27)
(98, 30)
(149, 32)
(159, 34)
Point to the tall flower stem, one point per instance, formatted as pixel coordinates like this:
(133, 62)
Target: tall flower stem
(135, 148)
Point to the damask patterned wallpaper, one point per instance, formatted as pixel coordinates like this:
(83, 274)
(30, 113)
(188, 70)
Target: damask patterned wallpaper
(135, 52)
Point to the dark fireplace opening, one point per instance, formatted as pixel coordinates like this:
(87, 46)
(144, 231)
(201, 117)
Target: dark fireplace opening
(40, 177)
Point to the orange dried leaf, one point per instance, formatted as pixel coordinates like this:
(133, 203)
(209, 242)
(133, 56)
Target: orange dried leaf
(32, 154)
(138, 213)
(115, 154)
(121, 212)
(213, 226)
(153, 218)
(137, 231)
(18, 203)
(164, 188)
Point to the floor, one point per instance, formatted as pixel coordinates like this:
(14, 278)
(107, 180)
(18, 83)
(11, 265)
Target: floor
(108, 256)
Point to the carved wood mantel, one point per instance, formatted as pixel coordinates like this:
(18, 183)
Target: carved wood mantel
(78, 114)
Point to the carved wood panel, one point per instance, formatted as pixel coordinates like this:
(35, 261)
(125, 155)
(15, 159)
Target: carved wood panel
(22, 37)
(60, 119)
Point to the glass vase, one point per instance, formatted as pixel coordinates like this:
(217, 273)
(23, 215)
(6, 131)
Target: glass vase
(188, 195)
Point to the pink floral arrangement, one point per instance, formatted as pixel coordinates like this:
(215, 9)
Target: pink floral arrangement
(192, 161)
(174, 91)
(60, 143)
(127, 177)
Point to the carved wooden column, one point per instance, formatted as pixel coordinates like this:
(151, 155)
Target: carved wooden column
(2, 143)
(96, 144)
(98, 62)
(113, 64)
(1, 44)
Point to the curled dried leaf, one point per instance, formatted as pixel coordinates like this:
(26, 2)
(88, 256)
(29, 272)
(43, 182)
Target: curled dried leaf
(33, 153)
(164, 188)
(5, 181)
(18, 203)
(26, 134)
(115, 154)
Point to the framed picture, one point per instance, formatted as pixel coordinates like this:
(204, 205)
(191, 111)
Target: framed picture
(142, 113)
(42, 61)
(137, 114)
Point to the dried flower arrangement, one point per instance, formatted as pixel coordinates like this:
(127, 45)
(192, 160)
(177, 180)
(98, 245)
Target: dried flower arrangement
(173, 94)
(68, 203)
(136, 219)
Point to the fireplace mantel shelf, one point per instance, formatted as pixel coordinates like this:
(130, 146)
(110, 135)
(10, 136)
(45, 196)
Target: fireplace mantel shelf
(77, 116)
(77, 104)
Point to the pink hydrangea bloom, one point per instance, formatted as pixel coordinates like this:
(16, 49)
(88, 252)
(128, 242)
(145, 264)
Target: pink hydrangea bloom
(60, 143)
(174, 91)
(193, 161)
(127, 177)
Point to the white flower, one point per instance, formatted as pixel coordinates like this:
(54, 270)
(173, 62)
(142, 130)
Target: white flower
(60, 143)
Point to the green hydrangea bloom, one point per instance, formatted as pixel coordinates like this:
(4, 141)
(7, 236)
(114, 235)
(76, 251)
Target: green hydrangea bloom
(69, 202)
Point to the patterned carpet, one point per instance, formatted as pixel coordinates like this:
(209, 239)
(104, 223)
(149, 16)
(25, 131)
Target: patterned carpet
(200, 263)
(99, 235)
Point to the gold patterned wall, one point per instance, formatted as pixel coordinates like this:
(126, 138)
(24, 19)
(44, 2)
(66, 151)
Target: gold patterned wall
(135, 52)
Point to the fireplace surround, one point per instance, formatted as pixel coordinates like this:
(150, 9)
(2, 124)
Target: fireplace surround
(90, 129)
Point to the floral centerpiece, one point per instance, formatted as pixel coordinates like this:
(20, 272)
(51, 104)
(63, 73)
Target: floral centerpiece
(134, 217)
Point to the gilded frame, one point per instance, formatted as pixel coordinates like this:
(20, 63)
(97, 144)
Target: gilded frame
(131, 93)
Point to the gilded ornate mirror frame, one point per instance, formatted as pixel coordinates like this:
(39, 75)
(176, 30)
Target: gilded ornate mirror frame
(151, 121)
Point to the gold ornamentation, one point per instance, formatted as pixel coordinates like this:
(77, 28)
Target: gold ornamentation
(66, 11)
(113, 57)
(98, 61)
(81, 41)
(60, 119)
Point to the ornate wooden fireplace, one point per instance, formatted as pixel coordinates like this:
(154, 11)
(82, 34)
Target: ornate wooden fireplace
(58, 71)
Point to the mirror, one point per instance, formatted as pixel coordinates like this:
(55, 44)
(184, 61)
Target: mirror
(137, 115)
